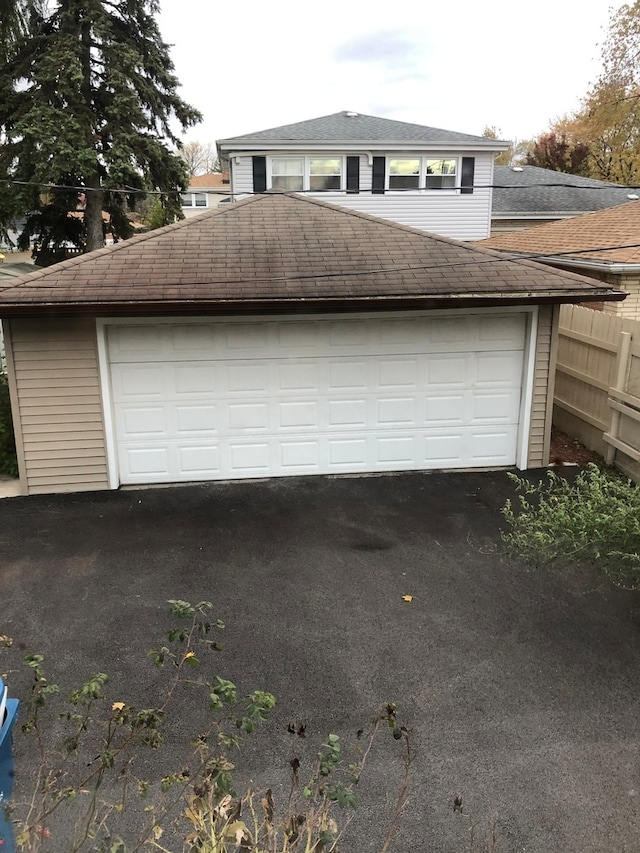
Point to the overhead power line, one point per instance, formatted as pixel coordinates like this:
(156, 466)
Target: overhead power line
(227, 191)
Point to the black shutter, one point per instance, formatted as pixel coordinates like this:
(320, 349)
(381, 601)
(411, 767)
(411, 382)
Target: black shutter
(259, 174)
(466, 178)
(353, 174)
(379, 169)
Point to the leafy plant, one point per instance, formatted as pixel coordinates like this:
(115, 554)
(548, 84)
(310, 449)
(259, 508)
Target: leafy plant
(8, 458)
(89, 779)
(595, 519)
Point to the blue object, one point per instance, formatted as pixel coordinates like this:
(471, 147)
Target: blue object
(8, 714)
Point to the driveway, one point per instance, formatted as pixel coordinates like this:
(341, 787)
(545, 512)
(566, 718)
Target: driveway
(521, 686)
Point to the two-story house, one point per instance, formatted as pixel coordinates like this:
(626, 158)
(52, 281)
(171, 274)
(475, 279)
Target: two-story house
(432, 179)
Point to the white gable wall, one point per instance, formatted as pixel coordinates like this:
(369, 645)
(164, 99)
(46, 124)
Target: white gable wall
(448, 213)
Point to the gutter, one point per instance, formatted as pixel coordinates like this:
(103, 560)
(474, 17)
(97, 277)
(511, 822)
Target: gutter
(303, 305)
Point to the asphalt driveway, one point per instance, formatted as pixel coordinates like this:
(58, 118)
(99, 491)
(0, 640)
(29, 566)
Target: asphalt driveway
(521, 686)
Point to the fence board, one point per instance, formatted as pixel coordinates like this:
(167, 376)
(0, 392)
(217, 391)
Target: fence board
(597, 390)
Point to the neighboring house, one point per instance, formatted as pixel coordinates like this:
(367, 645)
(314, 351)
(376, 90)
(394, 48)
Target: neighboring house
(205, 191)
(432, 179)
(524, 196)
(279, 336)
(604, 245)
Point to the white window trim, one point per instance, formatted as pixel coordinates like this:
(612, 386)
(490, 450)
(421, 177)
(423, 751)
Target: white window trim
(422, 177)
(193, 194)
(306, 165)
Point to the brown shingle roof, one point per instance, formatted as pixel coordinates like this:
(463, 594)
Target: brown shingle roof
(212, 180)
(281, 250)
(593, 236)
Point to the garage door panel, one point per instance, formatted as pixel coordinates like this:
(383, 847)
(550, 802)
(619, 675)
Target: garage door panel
(348, 375)
(302, 377)
(395, 373)
(249, 457)
(191, 419)
(445, 410)
(496, 407)
(449, 372)
(273, 397)
(139, 383)
(245, 377)
(494, 447)
(145, 421)
(299, 415)
(498, 368)
(300, 455)
(248, 416)
(198, 379)
(199, 459)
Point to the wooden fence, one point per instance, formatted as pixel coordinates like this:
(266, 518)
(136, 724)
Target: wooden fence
(597, 390)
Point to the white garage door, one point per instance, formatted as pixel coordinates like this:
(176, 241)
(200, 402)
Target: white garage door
(233, 399)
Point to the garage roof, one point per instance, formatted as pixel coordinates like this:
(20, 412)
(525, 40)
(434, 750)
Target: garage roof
(289, 252)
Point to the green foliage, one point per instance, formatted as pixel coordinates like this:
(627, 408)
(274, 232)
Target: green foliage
(88, 99)
(8, 458)
(595, 519)
(86, 777)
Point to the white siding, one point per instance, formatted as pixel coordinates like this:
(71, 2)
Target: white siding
(449, 214)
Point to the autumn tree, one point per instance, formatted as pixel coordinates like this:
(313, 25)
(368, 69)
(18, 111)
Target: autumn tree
(87, 100)
(607, 124)
(558, 152)
(200, 157)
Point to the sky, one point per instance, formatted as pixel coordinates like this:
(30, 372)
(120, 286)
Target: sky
(461, 65)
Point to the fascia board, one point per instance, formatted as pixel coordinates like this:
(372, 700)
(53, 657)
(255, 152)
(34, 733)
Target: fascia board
(261, 147)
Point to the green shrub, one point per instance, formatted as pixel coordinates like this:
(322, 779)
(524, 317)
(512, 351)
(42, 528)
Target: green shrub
(8, 459)
(594, 519)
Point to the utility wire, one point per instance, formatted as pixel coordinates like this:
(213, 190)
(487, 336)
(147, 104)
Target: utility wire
(222, 191)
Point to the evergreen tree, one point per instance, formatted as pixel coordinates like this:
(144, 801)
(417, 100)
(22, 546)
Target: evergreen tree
(87, 97)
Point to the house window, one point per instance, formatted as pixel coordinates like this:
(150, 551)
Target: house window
(287, 173)
(325, 173)
(194, 199)
(404, 174)
(414, 173)
(296, 174)
(440, 174)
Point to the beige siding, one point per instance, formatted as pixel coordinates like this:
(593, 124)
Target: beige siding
(58, 400)
(542, 397)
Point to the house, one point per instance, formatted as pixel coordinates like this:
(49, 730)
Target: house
(524, 196)
(604, 245)
(432, 179)
(276, 336)
(205, 191)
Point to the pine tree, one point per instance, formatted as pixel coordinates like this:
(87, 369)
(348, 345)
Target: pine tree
(87, 100)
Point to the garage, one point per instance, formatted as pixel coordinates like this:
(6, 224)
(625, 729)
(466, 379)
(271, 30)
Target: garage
(281, 336)
(235, 398)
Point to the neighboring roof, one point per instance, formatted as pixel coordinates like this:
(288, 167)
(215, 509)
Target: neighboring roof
(289, 252)
(352, 127)
(606, 237)
(212, 180)
(16, 270)
(542, 191)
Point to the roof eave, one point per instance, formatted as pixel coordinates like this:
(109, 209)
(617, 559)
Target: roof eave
(307, 305)
(235, 148)
(618, 267)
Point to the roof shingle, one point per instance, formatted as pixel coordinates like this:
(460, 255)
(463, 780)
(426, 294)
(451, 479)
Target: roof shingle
(285, 248)
(611, 235)
(349, 126)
